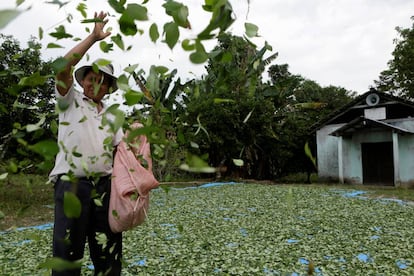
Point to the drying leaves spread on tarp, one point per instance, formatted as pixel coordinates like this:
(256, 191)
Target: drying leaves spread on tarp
(248, 229)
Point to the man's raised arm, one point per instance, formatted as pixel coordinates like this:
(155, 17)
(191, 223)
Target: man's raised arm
(64, 79)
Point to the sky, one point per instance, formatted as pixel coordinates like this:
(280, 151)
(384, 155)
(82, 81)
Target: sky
(345, 43)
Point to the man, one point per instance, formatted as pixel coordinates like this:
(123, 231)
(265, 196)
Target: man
(83, 165)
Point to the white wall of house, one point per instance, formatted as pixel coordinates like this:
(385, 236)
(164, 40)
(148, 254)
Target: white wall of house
(352, 160)
(353, 171)
(327, 153)
(406, 151)
(329, 162)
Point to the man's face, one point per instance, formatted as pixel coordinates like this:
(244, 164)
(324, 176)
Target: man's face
(95, 85)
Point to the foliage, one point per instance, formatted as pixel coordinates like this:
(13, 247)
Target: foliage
(129, 17)
(399, 77)
(227, 110)
(249, 229)
(301, 103)
(26, 107)
(161, 110)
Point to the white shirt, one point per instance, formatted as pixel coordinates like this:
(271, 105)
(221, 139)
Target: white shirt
(85, 143)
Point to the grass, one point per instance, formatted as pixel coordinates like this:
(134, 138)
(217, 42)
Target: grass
(251, 229)
(25, 200)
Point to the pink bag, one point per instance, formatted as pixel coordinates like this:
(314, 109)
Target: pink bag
(131, 184)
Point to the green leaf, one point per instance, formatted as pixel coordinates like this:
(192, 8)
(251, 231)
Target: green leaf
(226, 57)
(137, 12)
(172, 34)
(119, 120)
(248, 116)
(179, 13)
(71, 205)
(118, 41)
(102, 239)
(127, 25)
(38, 125)
(131, 68)
(161, 69)
(221, 18)
(106, 47)
(180, 228)
(153, 32)
(251, 30)
(91, 20)
(83, 119)
(3, 176)
(219, 101)
(59, 64)
(6, 16)
(59, 264)
(187, 45)
(113, 108)
(47, 148)
(123, 83)
(82, 9)
(41, 33)
(133, 97)
(12, 167)
(54, 127)
(196, 164)
(198, 57)
(53, 46)
(98, 202)
(165, 188)
(194, 145)
(61, 105)
(57, 2)
(115, 214)
(60, 33)
(309, 154)
(2, 215)
(76, 154)
(238, 162)
(118, 6)
(34, 80)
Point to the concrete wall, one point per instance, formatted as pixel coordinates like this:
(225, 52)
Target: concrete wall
(406, 150)
(352, 161)
(327, 153)
(352, 153)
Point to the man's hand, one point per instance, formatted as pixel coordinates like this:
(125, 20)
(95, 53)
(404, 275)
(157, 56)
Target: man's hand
(98, 31)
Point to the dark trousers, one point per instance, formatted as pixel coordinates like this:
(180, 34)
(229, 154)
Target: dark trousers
(70, 234)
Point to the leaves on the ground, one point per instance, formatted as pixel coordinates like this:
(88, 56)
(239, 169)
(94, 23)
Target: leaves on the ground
(250, 229)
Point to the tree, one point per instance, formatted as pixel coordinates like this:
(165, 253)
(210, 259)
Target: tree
(161, 113)
(26, 91)
(129, 17)
(398, 79)
(300, 103)
(230, 108)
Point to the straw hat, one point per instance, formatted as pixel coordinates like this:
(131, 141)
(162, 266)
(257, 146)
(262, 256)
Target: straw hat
(101, 65)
